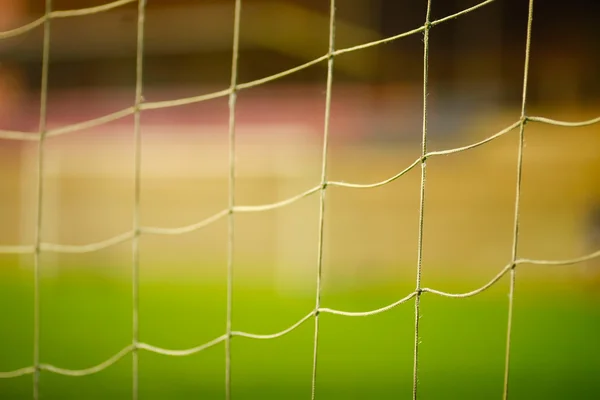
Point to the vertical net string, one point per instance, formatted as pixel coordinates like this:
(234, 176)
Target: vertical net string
(323, 187)
(137, 190)
(422, 200)
(231, 196)
(511, 292)
(40, 197)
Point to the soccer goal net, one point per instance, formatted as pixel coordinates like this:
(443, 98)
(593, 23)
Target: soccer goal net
(319, 189)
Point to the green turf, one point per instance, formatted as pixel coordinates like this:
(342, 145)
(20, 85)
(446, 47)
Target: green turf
(87, 317)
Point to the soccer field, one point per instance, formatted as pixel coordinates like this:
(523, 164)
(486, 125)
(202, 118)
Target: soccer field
(86, 318)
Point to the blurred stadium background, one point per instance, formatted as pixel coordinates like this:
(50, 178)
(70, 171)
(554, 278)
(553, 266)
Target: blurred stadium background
(476, 68)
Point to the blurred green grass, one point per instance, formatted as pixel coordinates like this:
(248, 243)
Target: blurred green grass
(86, 318)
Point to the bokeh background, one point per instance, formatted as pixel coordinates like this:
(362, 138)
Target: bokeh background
(370, 253)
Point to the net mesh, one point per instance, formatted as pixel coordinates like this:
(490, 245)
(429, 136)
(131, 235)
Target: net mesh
(233, 208)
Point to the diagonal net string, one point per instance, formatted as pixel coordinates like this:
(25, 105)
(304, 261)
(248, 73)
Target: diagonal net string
(63, 14)
(511, 293)
(18, 135)
(125, 236)
(423, 161)
(193, 350)
(119, 3)
(29, 136)
(323, 188)
(231, 195)
(135, 281)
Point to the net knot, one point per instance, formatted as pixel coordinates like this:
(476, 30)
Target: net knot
(233, 95)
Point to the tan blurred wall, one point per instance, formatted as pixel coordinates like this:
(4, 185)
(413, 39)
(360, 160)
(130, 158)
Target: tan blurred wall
(370, 233)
